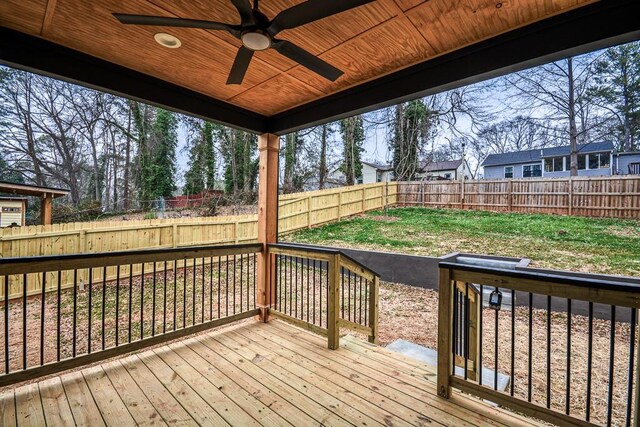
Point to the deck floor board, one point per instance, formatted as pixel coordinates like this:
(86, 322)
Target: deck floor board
(251, 374)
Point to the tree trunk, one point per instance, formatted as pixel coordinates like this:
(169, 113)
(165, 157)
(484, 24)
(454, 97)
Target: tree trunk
(322, 176)
(573, 131)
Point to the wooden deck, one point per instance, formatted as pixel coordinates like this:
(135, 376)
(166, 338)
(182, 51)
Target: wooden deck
(250, 374)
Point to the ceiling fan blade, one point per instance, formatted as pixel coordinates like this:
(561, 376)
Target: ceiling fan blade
(244, 9)
(307, 60)
(164, 21)
(240, 66)
(309, 11)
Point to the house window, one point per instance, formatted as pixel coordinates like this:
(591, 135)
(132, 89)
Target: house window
(508, 171)
(378, 176)
(447, 175)
(599, 161)
(9, 210)
(529, 171)
(634, 168)
(554, 164)
(582, 161)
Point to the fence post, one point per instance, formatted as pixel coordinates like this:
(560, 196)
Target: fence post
(570, 196)
(309, 212)
(364, 194)
(373, 310)
(445, 323)
(339, 205)
(333, 316)
(462, 194)
(174, 236)
(510, 196)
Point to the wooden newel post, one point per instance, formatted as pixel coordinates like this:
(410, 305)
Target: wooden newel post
(445, 324)
(45, 209)
(333, 317)
(373, 310)
(269, 146)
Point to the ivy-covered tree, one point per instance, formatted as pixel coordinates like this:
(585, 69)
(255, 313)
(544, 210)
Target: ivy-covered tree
(239, 150)
(411, 124)
(159, 157)
(202, 158)
(352, 130)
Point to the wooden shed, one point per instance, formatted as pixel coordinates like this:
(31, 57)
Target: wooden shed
(46, 194)
(12, 211)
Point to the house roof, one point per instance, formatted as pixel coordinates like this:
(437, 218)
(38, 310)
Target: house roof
(31, 190)
(538, 154)
(440, 166)
(389, 51)
(379, 166)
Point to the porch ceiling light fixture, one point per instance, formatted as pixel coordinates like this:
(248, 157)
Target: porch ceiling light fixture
(167, 40)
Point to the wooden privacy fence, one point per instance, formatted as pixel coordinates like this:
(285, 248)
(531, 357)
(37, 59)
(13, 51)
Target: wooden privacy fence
(296, 211)
(608, 197)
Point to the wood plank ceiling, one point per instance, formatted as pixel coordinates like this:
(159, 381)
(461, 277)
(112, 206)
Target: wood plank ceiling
(366, 43)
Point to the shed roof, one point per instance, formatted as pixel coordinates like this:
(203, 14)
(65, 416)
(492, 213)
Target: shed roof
(440, 166)
(31, 190)
(379, 166)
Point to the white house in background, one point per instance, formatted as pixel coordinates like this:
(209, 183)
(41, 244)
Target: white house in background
(453, 170)
(373, 172)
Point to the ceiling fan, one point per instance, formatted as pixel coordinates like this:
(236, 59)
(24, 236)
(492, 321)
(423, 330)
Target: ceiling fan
(257, 32)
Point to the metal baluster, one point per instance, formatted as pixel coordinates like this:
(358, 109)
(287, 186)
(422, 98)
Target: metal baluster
(104, 304)
(612, 347)
(130, 298)
(6, 322)
(549, 351)
(632, 348)
(117, 305)
(90, 306)
(589, 361)
(6, 300)
(164, 300)
(42, 297)
(568, 386)
(530, 351)
(513, 339)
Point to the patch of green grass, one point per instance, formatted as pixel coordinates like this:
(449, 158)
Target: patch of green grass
(583, 244)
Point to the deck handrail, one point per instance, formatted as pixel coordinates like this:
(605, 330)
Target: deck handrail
(170, 293)
(562, 291)
(351, 291)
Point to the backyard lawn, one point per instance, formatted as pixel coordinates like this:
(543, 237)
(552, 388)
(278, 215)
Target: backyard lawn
(610, 246)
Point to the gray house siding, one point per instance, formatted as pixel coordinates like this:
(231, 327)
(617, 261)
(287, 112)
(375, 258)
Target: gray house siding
(625, 160)
(582, 172)
(497, 172)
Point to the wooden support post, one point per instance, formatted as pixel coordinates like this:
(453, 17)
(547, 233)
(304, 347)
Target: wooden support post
(45, 209)
(509, 196)
(339, 205)
(333, 317)
(445, 324)
(373, 310)
(269, 146)
(364, 201)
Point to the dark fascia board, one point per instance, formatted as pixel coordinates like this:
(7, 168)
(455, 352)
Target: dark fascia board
(596, 26)
(22, 51)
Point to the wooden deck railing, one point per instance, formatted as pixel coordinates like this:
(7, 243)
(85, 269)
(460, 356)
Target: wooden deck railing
(323, 291)
(566, 344)
(119, 302)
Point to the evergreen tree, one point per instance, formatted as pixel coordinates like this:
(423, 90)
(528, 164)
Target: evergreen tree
(352, 130)
(617, 88)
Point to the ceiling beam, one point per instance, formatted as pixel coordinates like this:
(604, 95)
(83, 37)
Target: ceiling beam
(33, 54)
(596, 26)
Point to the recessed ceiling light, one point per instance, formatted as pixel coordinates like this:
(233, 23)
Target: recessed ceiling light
(167, 40)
